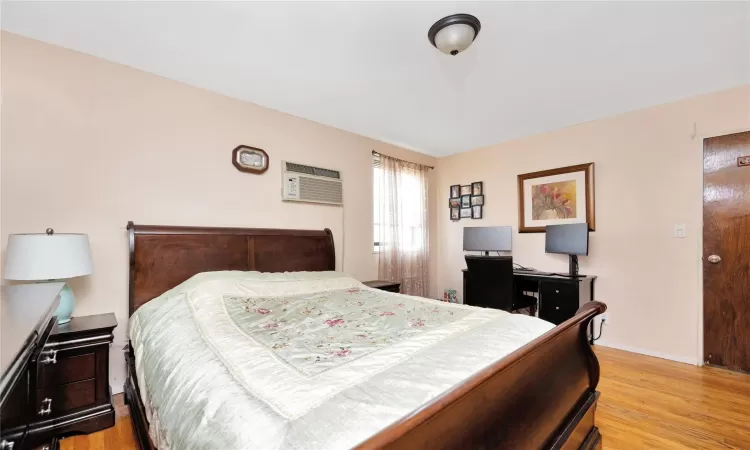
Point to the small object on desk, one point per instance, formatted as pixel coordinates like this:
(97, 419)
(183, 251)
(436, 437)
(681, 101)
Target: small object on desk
(530, 271)
(390, 286)
(49, 257)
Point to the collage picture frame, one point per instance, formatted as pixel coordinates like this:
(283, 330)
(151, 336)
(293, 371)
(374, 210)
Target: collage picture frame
(466, 201)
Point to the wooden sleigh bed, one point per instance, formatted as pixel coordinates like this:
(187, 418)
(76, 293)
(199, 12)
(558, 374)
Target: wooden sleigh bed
(541, 396)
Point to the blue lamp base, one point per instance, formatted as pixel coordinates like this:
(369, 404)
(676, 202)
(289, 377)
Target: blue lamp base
(67, 302)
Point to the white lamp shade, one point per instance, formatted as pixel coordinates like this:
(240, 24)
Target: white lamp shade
(34, 257)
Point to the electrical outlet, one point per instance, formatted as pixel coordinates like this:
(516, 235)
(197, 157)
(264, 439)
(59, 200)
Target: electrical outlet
(604, 318)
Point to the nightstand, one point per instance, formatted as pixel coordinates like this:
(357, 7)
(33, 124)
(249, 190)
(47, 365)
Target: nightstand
(73, 395)
(390, 286)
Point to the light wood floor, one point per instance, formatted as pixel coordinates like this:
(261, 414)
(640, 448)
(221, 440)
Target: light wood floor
(653, 403)
(645, 403)
(118, 437)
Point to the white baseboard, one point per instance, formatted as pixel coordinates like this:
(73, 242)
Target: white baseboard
(682, 359)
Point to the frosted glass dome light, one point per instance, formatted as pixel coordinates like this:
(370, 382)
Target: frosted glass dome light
(454, 34)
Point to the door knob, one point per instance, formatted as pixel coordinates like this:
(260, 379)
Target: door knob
(714, 259)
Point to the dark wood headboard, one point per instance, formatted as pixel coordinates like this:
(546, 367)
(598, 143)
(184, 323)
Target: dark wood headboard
(161, 257)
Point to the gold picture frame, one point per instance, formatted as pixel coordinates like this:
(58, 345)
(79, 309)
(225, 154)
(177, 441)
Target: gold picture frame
(556, 196)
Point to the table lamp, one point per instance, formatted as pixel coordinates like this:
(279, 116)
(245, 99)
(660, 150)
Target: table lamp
(49, 257)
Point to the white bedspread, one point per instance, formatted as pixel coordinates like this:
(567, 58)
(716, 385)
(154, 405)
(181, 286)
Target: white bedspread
(307, 360)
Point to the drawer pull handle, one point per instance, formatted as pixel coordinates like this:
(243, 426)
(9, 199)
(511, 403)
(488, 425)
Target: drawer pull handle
(50, 357)
(46, 407)
(6, 445)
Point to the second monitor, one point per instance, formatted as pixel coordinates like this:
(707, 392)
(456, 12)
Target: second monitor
(488, 239)
(569, 239)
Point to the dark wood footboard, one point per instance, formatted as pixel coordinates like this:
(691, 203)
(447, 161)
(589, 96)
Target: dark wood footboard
(541, 396)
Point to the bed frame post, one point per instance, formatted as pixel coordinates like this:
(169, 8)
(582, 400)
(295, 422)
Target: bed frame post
(133, 400)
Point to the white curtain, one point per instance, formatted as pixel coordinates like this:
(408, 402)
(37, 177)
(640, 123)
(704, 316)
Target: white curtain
(401, 228)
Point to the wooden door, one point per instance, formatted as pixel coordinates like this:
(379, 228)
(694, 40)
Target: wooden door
(726, 251)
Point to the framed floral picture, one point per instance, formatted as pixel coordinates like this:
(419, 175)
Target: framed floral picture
(556, 196)
(454, 202)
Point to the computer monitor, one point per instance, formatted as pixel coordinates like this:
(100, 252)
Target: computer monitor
(488, 239)
(569, 239)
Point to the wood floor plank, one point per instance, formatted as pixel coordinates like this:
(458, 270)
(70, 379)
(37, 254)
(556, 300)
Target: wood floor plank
(118, 437)
(657, 404)
(645, 403)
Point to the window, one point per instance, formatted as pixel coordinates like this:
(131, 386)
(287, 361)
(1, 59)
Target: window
(410, 209)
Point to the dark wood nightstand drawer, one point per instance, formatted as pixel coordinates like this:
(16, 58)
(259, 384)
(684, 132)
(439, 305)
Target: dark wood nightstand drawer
(66, 398)
(69, 368)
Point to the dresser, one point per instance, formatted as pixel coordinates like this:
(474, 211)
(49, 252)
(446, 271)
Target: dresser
(26, 322)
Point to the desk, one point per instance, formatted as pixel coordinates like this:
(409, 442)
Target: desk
(559, 296)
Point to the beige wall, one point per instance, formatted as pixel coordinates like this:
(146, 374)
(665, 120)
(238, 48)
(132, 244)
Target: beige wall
(648, 178)
(88, 145)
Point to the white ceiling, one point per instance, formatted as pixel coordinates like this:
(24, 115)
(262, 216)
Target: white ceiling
(367, 67)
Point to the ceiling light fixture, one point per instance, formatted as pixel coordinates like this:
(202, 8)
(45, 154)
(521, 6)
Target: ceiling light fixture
(454, 34)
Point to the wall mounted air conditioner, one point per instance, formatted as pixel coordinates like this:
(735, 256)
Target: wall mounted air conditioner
(302, 183)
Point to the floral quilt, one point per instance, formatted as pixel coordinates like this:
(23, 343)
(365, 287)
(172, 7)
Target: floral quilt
(318, 331)
(302, 360)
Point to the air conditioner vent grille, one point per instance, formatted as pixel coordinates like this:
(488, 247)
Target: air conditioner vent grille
(318, 190)
(310, 170)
